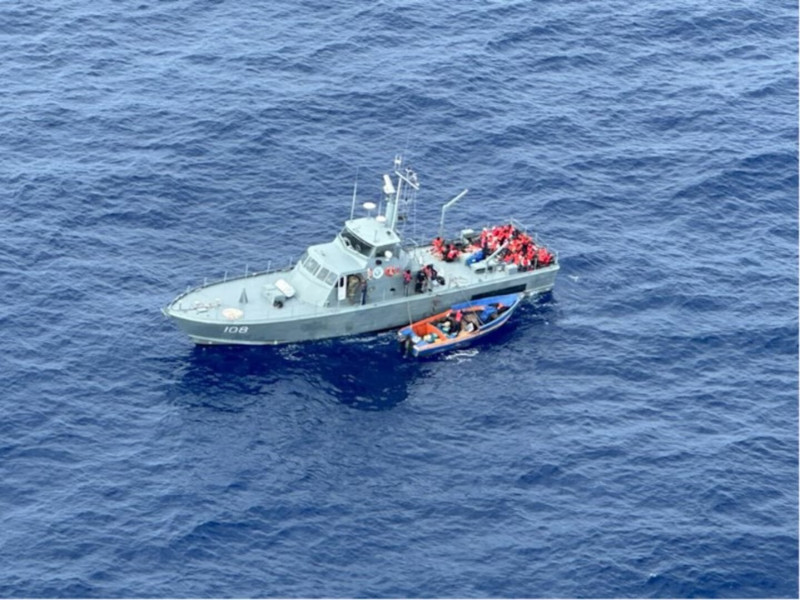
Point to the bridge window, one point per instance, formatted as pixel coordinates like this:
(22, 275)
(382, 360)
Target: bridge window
(326, 276)
(310, 265)
(356, 243)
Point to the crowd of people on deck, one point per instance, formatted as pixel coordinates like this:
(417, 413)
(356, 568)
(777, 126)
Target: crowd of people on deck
(448, 251)
(507, 243)
(512, 246)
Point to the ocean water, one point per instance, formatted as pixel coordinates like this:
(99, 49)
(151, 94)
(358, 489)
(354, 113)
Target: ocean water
(633, 434)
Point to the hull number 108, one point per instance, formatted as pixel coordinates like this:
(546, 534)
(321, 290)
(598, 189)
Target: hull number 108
(235, 329)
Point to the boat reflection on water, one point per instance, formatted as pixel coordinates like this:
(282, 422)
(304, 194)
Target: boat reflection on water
(364, 372)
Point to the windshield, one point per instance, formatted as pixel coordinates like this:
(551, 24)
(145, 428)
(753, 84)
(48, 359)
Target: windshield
(310, 264)
(313, 267)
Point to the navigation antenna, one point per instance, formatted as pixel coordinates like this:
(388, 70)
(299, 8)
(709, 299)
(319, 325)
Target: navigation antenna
(355, 189)
(402, 192)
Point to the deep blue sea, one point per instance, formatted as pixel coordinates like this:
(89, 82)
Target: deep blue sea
(633, 434)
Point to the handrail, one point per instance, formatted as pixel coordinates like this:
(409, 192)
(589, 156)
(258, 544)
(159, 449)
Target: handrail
(227, 279)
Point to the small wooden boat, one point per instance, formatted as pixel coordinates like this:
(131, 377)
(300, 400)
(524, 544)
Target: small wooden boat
(458, 326)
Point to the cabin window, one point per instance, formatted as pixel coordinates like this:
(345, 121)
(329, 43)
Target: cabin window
(326, 276)
(356, 243)
(311, 265)
(381, 250)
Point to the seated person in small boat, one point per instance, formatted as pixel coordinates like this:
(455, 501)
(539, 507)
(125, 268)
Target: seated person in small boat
(488, 313)
(457, 322)
(471, 322)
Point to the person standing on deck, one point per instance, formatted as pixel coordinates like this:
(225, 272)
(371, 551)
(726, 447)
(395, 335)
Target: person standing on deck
(406, 280)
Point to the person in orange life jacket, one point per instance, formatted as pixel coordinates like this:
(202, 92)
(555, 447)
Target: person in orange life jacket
(452, 253)
(438, 245)
(457, 322)
(544, 256)
(505, 233)
(406, 280)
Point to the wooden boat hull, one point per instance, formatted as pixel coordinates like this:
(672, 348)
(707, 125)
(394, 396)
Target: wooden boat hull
(440, 333)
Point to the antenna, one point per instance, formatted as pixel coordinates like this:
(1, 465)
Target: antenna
(388, 186)
(355, 188)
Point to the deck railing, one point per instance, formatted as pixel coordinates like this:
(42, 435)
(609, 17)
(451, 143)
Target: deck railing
(269, 270)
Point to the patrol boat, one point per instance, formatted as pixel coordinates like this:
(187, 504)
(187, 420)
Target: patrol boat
(367, 279)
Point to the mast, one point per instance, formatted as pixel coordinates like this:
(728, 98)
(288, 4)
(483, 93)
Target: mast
(395, 193)
(355, 189)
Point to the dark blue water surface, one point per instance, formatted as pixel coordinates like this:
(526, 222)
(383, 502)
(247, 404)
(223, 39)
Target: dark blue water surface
(635, 434)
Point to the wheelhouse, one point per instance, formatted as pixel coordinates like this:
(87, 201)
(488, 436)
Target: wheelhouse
(369, 238)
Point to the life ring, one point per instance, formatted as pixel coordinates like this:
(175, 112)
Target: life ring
(377, 272)
(390, 271)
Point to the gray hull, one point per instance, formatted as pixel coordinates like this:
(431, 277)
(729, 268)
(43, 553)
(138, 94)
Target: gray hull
(210, 327)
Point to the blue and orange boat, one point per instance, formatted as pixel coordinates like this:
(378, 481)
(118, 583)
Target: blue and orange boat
(460, 325)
